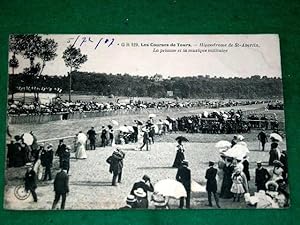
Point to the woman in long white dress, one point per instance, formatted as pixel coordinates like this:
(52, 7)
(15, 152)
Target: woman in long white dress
(81, 141)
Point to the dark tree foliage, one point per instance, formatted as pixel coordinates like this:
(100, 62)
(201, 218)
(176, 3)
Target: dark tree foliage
(183, 87)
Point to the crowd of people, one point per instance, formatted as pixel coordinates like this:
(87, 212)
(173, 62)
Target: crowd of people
(278, 105)
(62, 106)
(230, 180)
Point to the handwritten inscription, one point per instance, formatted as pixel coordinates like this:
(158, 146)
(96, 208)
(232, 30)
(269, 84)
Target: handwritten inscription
(93, 41)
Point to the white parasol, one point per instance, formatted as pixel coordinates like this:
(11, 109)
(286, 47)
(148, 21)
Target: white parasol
(152, 115)
(81, 138)
(13, 106)
(166, 122)
(114, 122)
(28, 139)
(223, 144)
(123, 129)
(130, 129)
(237, 152)
(276, 136)
(242, 143)
(170, 188)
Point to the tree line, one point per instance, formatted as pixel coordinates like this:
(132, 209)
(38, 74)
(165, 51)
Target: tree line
(144, 86)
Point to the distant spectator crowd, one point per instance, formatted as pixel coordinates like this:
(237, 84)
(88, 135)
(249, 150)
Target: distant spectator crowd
(276, 106)
(61, 107)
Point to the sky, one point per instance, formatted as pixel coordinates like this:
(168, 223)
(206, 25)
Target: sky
(147, 55)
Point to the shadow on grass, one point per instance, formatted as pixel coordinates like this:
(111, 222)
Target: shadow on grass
(90, 183)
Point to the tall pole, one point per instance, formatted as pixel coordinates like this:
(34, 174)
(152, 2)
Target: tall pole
(70, 84)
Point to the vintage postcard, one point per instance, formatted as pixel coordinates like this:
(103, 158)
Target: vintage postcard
(134, 122)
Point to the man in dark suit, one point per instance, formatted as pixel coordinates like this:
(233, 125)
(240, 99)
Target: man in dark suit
(211, 185)
(66, 158)
(103, 137)
(116, 165)
(92, 137)
(60, 150)
(46, 160)
(146, 185)
(30, 181)
(184, 176)
(61, 188)
(261, 177)
(262, 137)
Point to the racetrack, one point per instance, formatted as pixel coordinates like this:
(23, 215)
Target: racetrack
(90, 181)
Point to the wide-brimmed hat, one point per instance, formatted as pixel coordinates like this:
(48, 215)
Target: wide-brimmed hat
(271, 184)
(277, 163)
(159, 200)
(140, 193)
(130, 199)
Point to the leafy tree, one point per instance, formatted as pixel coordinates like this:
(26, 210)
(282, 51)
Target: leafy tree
(74, 59)
(31, 46)
(47, 52)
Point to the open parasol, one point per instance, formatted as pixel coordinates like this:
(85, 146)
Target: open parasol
(27, 138)
(181, 138)
(81, 138)
(223, 144)
(138, 122)
(123, 129)
(238, 152)
(170, 188)
(114, 122)
(130, 129)
(242, 143)
(276, 137)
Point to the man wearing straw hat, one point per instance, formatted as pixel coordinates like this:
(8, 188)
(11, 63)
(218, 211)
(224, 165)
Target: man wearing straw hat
(145, 184)
(141, 198)
(130, 202)
(160, 201)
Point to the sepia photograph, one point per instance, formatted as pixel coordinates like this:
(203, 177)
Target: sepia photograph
(131, 122)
